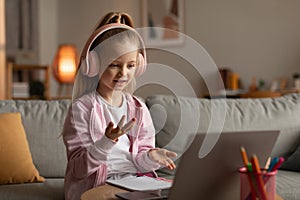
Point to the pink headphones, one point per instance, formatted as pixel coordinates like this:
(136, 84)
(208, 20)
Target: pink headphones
(90, 63)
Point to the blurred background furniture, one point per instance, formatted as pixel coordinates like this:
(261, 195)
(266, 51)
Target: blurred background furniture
(260, 94)
(37, 88)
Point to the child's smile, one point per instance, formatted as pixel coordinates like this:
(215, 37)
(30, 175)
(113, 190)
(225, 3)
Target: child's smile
(118, 74)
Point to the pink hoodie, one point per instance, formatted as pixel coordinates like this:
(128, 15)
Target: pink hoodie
(88, 147)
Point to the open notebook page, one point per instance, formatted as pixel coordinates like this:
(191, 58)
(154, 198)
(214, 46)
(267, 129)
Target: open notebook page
(142, 183)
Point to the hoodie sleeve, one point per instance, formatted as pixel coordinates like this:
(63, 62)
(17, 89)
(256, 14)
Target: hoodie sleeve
(85, 155)
(145, 141)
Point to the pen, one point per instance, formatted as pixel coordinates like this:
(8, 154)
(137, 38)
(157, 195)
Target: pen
(164, 179)
(278, 164)
(273, 162)
(259, 180)
(274, 168)
(267, 163)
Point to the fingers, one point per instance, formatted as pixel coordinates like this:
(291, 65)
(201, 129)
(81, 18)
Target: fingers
(171, 154)
(168, 163)
(121, 122)
(108, 131)
(129, 125)
(109, 127)
(172, 166)
(162, 156)
(114, 133)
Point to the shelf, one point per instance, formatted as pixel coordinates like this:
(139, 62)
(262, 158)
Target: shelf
(11, 67)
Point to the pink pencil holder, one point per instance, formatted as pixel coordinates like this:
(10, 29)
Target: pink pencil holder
(255, 185)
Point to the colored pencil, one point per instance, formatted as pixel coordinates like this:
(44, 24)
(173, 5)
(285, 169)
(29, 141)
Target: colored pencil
(259, 179)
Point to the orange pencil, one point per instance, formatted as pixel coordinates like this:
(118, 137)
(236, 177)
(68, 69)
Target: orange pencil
(248, 166)
(244, 156)
(259, 179)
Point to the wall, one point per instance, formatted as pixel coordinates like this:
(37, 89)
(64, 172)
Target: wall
(2, 51)
(76, 22)
(48, 36)
(253, 38)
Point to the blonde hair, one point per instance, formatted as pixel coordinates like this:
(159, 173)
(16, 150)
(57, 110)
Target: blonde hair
(84, 84)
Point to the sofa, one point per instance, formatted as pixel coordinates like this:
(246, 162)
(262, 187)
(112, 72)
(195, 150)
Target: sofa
(43, 122)
(180, 116)
(172, 116)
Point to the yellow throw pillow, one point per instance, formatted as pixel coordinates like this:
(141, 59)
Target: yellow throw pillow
(16, 164)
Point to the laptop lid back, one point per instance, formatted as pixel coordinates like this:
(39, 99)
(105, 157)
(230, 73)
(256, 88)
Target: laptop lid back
(216, 175)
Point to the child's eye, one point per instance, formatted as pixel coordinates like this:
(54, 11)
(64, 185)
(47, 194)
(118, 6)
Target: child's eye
(113, 65)
(131, 65)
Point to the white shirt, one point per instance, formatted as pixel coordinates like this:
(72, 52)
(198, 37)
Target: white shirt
(119, 161)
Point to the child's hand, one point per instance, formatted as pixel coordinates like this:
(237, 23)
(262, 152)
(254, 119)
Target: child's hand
(163, 157)
(114, 133)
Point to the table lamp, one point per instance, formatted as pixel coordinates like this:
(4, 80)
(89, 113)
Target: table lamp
(64, 65)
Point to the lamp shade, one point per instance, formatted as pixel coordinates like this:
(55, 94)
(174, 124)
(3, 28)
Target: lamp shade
(65, 63)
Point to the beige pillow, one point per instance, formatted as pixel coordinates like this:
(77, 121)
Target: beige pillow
(16, 164)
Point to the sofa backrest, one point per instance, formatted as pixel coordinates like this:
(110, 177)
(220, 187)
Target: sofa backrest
(175, 116)
(43, 123)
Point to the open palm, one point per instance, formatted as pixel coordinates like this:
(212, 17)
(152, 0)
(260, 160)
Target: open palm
(163, 157)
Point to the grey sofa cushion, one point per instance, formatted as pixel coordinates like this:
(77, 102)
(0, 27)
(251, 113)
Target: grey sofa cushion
(241, 115)
(175, 116)
(288, 184)
(43, 122)
(268, 114)
(49, 190)
(293, 162)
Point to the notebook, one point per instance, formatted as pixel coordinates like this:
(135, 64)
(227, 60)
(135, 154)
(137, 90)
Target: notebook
(216, 175)
(141, 183)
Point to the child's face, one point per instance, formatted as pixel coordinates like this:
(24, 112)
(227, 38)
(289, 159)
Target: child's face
(119, 73)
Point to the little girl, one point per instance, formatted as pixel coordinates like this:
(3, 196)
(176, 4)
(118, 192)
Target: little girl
(108, 133)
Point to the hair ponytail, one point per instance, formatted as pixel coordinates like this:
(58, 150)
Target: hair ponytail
(116, 17)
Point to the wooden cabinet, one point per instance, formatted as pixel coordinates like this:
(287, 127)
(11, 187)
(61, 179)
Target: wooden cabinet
(261, 94)
(25, 69)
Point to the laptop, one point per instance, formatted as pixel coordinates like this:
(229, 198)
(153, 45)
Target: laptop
(214, 176)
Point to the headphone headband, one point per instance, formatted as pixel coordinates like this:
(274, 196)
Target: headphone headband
(85, 52)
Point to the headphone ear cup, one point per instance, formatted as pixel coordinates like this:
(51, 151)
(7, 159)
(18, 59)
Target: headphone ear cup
(84, 68)
(141, 65)
(93, 64)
